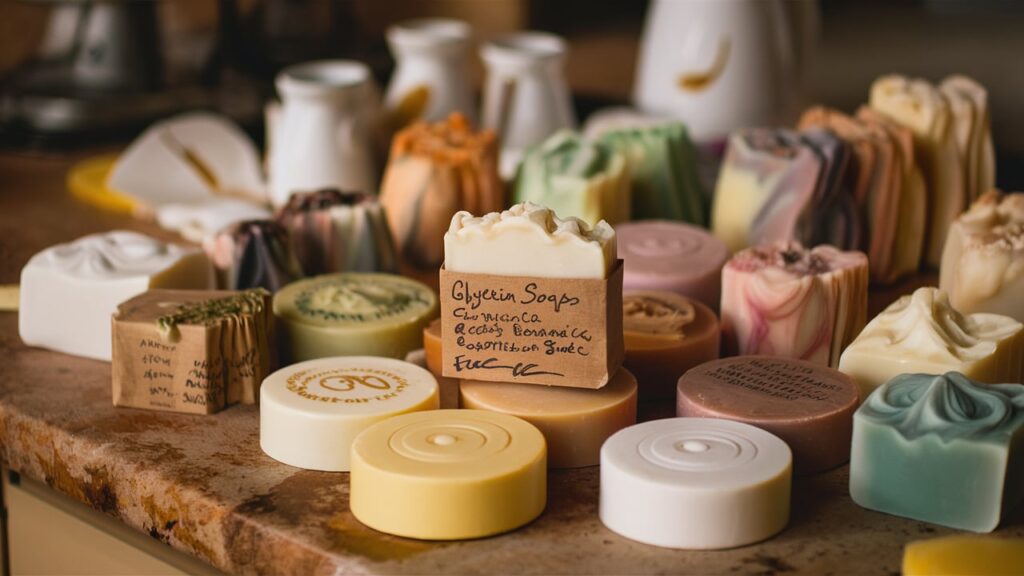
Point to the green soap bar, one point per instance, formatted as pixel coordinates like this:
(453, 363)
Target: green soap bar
(942, 449)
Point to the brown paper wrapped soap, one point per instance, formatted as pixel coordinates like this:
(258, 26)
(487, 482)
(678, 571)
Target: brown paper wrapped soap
(191, 351)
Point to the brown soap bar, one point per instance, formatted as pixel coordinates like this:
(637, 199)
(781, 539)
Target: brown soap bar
(808, 405)
(432, 346)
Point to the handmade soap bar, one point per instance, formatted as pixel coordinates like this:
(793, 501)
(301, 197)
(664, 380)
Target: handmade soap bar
(448, 388)
(333, 231)
(69, 291)
(807, 405)
(940, 449)
(574, 177)
(528, 240)
(695, 483)
(253, 254)
(434, 171)
(922, 332)
(311, 412)
(785, 300)
(353, 314)
(575, 422)
(983, 262)
(672, 256)
(448, 474)
(191, 350)
(968, 103)
(964, 556)
(665, 335)
(196, 221)
(663, 171)
(432, 346)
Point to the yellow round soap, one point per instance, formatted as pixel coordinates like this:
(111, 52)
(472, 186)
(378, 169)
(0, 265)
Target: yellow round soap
(353, 314)
(448, 474)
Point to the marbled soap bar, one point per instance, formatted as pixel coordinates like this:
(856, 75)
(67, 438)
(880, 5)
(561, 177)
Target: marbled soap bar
(575, 177)
(665, 335)
(808, 406)
(353, 314)
(941, 449)
(191, 350)
(983, 262)
(253, 254)
(785, 300)
(674, 257)
(434, 171)
(695, 483)
(964, 556)
(334, 231)
(312, 412)
(448, 474)
(922, 332)
(529, 240)
(69, 291)
(575, 421)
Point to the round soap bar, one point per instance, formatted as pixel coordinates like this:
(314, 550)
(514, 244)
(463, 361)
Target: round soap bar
(695, 483)
(665, 335)
(808, 405)
(311, 412)
(432, 345)
(672, 256)
(354, 314)
(448, 474)
(574, 421)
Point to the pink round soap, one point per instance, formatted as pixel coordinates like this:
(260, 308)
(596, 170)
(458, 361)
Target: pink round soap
(672, 256)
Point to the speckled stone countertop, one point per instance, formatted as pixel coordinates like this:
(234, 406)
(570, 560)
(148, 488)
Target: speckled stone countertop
(202, 485)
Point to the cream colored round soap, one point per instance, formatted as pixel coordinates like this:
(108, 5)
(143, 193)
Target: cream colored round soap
(448, 474)
(575, 421)
(311, 412)
(354, 314)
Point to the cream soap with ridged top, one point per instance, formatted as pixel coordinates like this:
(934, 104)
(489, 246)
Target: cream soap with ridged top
(69, 291)
(311, 412)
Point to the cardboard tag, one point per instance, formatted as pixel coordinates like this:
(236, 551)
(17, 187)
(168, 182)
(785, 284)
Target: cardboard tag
(550, 331)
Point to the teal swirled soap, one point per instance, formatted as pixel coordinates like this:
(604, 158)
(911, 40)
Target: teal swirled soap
(941, 449)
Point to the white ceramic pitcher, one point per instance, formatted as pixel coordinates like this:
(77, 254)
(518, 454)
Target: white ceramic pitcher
(526, 98)
(321, 137)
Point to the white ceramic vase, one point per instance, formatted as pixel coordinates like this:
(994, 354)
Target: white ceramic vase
(526, 98)
(429, 81)
(322, 134)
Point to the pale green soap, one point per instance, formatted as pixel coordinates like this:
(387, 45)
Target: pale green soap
(941, 449)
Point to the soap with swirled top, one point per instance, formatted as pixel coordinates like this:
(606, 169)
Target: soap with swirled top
(940, 448)
(69, 291)
(923, 332)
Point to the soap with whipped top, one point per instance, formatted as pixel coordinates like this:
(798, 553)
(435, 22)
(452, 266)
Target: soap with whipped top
(983, 261)
(435, 170)
(69, 291)
(334, 231)
(787, 300)
(575, 177)
(963, 554)
(941, 449)
(529, 240)
(923, 332)
(253, 254)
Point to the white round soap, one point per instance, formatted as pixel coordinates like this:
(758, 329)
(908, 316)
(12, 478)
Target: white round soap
(695, 483)
(311, 412)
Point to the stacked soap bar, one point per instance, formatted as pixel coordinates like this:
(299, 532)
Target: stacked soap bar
(69, 291)
(663, 171)
(941, 449)
(253, 254)
(191, 351)
(922, 332)
(786, 300)
(434, 171)
(334, 231)
(778, 185)
(886, 185)
(574, 177)
(952, 140)
(983, 262)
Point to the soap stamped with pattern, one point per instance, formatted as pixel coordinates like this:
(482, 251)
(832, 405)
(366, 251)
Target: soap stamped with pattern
(347, 385)
(360, 300)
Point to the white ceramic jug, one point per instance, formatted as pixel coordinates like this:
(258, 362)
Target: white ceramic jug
(429, 81)
(321, 136)
(526, 98)
(719, 65)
